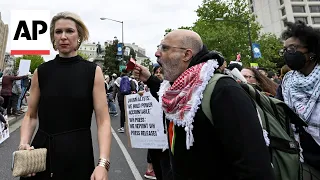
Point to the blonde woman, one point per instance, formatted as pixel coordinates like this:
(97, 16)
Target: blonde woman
(64, 92)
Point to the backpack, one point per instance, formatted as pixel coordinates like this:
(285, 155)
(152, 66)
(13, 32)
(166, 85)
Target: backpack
(125, 85)
(276, 118)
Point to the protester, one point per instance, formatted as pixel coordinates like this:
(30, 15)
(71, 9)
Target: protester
(301, 86)
(261, 82)
(6, 90)
(283, 72)
(71, 88)
(158, 160)
(234, 146)
(123, 86)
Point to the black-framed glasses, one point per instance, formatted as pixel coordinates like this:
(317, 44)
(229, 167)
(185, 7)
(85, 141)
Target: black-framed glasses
(164, 47)
(248, 76)
(290, 49)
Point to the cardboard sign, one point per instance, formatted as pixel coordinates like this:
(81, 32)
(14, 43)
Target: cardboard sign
(144, 122)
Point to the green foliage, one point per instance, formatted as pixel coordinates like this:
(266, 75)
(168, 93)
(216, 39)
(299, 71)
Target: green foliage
(230, 35)
(270, 46)
(111, 64)
(182, 27)
(147, 63)
(83, 55)
(36, 60)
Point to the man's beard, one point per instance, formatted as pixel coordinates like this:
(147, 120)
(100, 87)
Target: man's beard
(171, 69)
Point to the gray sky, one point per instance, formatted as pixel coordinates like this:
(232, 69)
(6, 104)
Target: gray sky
(144, 20)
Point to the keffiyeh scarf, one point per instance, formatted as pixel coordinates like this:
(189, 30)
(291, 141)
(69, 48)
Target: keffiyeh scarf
(181, 101)
(301, 93)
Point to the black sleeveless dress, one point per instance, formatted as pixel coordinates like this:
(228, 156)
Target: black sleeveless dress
(65, 111)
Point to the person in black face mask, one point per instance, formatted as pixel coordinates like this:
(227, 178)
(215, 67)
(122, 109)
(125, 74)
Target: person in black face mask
(300, 52)
(301, 85)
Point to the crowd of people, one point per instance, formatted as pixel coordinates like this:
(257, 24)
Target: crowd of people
(229, 142)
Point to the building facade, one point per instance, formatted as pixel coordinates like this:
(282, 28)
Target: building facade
(272, 14)
(140, 52)
(89, 48)
(4, 29)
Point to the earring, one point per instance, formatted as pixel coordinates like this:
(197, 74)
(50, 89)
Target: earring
(312, 56)
(54, 45)
(79, 43)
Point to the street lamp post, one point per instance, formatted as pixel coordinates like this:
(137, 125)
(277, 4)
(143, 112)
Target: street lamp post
(104, 18)
(247, 22)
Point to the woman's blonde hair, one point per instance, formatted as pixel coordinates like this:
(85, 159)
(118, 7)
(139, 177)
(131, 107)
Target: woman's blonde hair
(81, 27)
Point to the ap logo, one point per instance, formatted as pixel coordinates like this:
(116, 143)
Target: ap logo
(30, 32)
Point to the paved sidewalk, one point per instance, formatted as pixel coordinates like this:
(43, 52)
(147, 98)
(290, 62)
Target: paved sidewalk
(13, 119)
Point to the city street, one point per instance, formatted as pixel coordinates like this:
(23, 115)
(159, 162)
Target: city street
(126, 163)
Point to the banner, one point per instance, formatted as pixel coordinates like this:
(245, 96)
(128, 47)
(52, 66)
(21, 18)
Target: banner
(4, 132)
(119, 52)
(256, 50)
(254, 65)
(144, 122)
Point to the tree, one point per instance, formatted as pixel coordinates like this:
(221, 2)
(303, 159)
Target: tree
(147, 63)
(111, 63)
(36, 60)
(229, 35)
(167, 31)
(83, 55)
(269, 47)
(182, 27)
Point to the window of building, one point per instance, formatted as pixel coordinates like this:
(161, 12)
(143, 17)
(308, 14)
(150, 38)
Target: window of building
(283, 11)
(303, 19)
(281, 2)
(298, 9)
(315, 20)
(314, 8)
(284, 22)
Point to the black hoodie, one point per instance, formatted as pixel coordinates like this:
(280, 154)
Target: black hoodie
(231, 149)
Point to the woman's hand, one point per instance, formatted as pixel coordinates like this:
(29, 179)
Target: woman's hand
(27, 147)
(99, 173)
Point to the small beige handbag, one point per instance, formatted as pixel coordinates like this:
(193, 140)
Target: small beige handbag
(26, 162)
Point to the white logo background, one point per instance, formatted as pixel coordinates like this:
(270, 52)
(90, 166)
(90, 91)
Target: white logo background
(43, 40)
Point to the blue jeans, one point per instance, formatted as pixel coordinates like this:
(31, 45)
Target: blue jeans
(111, 104)
(21, 98)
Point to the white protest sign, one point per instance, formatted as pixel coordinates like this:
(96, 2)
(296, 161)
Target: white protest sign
(24, 67)
(144, 122)
(4, 133)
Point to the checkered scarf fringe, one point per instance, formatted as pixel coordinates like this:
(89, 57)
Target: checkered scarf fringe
(181, 101)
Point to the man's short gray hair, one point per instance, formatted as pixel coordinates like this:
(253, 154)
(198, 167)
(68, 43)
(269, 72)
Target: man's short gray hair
(193, 43)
